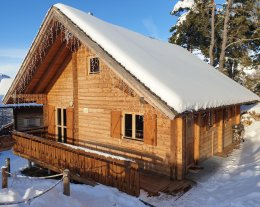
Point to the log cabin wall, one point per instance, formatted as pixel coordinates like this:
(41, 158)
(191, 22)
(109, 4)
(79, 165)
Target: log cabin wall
(98, 96)
(208, 135)
(61, 93)
(216, 134)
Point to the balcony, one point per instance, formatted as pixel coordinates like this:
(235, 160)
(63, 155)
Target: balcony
(86, 165)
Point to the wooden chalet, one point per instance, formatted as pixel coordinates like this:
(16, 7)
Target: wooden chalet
(102, 117)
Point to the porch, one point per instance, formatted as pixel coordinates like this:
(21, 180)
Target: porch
(86, 166)
(90, 166)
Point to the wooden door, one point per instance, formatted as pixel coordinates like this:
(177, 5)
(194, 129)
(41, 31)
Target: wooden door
(189, 125)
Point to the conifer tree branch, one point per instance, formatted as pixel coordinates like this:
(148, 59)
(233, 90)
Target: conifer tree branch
(242, 40)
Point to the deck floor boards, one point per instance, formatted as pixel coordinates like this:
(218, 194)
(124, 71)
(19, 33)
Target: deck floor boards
(153, 184)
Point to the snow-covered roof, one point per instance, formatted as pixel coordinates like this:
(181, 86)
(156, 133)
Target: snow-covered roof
(174, 74)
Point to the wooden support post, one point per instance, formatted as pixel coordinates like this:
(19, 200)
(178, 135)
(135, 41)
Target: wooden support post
(197, 138)
(173, 147)
(237, 116)
(7, 164)
(66, 182)
(180, 148)
(29, 164)
(4, 177)
(220, 130)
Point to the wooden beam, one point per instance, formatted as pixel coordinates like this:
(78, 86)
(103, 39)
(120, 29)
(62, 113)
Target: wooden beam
(220, 130)
(57, 74)
(38, 98)
(180, 145)
(197, 138)
(173, 150)
(50, 70)
(75, 97)
(50, 53)
(238, 115)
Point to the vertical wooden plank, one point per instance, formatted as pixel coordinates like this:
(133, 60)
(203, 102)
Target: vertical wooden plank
(197, 138)
(150, 129)
(237, 116)
(75, 97)
(180, 147)
(116, 124)
(70, 125)
(220, 130)
(173, 149)
(51, 120)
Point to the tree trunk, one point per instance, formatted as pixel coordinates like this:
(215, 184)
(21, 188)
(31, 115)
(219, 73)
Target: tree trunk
(224, 36)
(212, 40)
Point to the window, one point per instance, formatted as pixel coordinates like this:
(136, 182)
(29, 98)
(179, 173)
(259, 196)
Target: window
(61, 125)
(32, 122)
(133, 126)
(93, 65)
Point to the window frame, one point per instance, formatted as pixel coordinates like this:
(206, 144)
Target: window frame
(133, 126)
(88, 65)
(62, 125)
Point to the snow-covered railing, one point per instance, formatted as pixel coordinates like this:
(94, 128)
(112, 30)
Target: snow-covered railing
(84, 165)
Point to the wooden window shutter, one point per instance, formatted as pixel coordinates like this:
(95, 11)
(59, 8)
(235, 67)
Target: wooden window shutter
(116, 124)
(70, 125)
(150, 129)
(51, 120)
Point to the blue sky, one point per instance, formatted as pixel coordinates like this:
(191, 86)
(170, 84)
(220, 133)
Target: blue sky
(21, 19)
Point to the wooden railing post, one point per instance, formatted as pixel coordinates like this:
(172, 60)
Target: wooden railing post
(66, 182)
(29, 164)
(4, 177)
(7, 164)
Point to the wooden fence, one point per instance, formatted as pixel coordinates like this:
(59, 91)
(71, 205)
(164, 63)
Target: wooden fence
(122, 174)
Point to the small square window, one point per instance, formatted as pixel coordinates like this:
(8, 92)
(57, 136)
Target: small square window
(94, 66)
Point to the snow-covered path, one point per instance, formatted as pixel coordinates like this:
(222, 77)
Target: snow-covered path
(232, 181)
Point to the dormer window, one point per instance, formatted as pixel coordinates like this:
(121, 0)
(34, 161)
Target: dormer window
(93, 65)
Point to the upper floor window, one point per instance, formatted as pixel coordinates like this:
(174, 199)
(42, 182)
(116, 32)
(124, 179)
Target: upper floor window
(93, 65)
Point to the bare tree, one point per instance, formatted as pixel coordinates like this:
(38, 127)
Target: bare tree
(224, 36)
(212, 40)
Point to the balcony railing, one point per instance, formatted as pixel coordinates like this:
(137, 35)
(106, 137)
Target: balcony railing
(84, 164)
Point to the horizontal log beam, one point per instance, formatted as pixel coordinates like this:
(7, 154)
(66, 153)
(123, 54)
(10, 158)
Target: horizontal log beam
(25, 98)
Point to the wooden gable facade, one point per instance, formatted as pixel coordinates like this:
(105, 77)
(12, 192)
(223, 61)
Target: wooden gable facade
(104, 107)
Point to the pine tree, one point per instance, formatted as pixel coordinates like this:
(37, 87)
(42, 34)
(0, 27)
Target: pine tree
(193, 32)
(234, 44)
